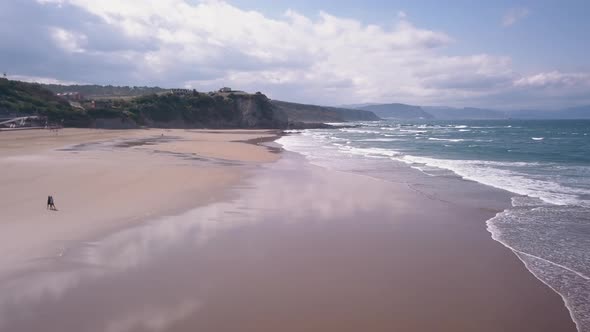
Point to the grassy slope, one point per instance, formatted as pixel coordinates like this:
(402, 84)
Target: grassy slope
(21, 98)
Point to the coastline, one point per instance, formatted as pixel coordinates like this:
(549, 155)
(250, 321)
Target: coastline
(293, 237)
(495, 236)
(540, 216)
(498, 202)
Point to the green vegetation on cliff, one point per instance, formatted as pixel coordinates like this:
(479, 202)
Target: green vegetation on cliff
(125, 107)
(188, 109)
(21, 99)
(104, 91)
(193, 110)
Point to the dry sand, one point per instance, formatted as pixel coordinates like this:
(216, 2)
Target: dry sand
(113, 179)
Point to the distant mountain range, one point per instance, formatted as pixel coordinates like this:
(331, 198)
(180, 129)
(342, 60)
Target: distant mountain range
(404, 111)
(466, 113)
(397, 111)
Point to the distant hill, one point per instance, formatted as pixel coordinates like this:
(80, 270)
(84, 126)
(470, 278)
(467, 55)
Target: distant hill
(357, 106)
(466, 113)
(313, 113)
(397, 111)
(403, 111)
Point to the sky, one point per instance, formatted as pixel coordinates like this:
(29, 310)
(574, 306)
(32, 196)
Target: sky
(494, 54)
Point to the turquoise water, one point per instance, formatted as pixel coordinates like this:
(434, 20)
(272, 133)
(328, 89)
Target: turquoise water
(544, 164)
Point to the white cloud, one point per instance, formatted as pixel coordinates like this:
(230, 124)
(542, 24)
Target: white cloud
(554, 78)
(514, 15)
(323, 59)
(68, 40)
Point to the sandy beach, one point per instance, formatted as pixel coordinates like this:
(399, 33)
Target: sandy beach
(292, 247)
(107, 179)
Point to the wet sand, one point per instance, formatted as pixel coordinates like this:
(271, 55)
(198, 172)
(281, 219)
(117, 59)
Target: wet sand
(293, 248)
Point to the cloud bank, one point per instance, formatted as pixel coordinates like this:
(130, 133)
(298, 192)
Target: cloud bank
(205, 45)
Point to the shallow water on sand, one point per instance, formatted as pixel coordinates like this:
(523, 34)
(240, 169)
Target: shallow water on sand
(544, 163)
(296, 248)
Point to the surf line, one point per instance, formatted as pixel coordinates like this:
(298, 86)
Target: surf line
(553, 263)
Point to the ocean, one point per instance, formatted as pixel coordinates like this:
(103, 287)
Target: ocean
(544, 165)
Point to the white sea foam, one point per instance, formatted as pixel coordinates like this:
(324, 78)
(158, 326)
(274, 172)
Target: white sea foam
(446, 139)
(537, 138)
(505, 175)
(526, 201)
(560, 259)
(515, 177)
(413, 131)
(337, 124)
(380, 140)
(358, 131)
(371, 152)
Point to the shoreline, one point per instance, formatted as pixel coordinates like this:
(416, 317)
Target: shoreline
(384, 255)
(517, 253)
(493, 236)
(498, 210)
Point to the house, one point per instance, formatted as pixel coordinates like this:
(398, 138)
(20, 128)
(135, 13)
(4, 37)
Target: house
(225, 89)
(71, 96)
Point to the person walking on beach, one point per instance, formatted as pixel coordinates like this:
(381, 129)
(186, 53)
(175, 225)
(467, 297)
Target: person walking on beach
(50, 203)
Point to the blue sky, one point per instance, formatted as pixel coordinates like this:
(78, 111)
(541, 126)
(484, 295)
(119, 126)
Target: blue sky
(497, 54)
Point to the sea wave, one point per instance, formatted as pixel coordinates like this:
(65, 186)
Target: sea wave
(446, 139)
(380, 140)
(358, 131)
(371, 152)
(561, 259)
(546, 224)
(506, 175)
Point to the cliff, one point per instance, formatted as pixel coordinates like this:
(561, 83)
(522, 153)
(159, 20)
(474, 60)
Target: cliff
(193, 110)
(189, 109)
